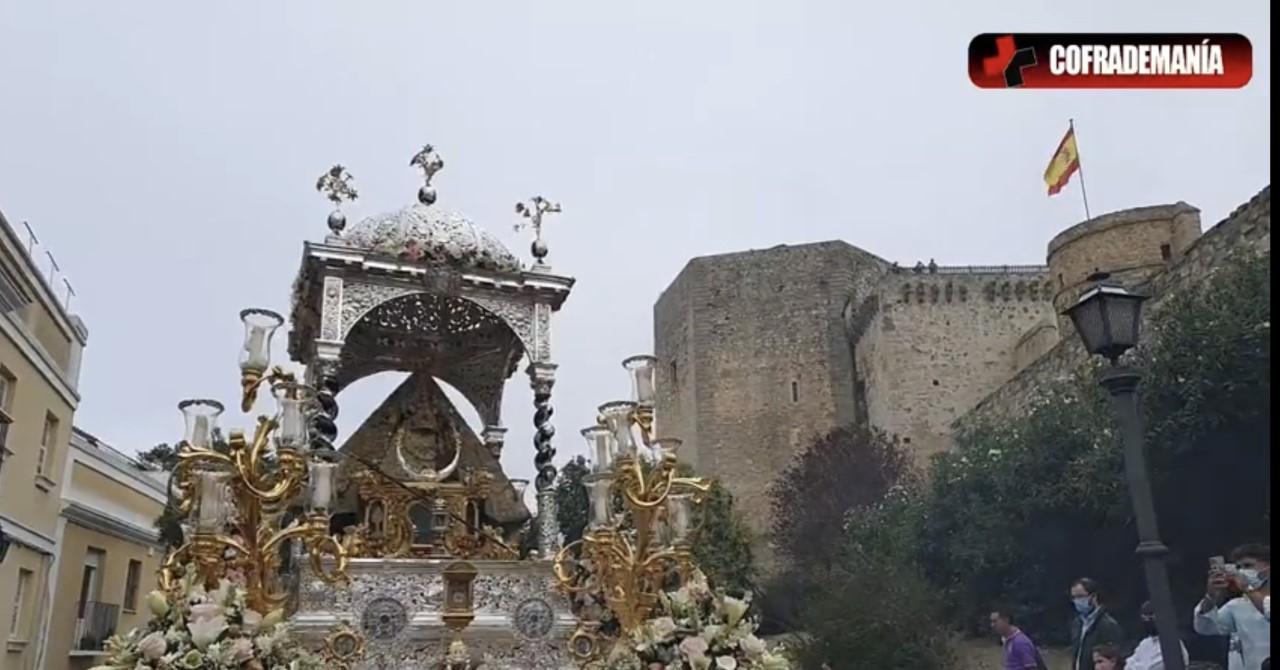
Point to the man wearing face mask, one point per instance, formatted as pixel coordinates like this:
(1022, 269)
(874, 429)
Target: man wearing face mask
(1247, 617)
(1092, 626)
(1147, 655)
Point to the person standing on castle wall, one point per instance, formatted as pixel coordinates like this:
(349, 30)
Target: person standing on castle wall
(1093, 625)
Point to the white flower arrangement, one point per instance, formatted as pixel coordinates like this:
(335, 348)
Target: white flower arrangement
(697, 629)
(196, 629)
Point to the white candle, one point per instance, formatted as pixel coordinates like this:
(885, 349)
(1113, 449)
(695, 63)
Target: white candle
(600, 502)
(200, 432)
(679, 516)
(256, 354)
(292, 424)
(321, 485)
(212, 502)
(644, 386)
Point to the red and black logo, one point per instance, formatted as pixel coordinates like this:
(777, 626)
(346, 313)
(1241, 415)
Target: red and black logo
(1110, 60)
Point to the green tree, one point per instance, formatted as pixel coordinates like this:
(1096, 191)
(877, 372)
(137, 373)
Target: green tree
(163, 458)
(849, 467)
(722, 543)
(573, 502)
(1024, 505)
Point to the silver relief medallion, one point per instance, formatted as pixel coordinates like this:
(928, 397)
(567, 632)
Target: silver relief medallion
(533, 618)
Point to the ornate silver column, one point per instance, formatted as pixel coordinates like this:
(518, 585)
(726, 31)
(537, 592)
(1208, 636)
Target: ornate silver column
(542, 377)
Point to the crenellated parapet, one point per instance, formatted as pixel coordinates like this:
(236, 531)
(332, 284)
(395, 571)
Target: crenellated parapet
(963, 284)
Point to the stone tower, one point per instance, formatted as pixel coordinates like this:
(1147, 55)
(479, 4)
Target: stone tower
(754, 359)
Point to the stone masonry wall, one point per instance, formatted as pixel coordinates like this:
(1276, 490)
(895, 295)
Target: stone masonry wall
(1245, 232)
(939, 343)
(761, 334)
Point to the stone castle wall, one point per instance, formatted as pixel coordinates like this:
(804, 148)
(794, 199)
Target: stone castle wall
(938, 343)
(753, 360)
(762, 350)
(1246, 231)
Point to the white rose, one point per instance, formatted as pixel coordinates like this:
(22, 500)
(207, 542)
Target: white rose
(753, 646)
(153, 646)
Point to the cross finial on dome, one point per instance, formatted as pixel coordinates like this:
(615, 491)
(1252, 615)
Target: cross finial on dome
(336, 185)
(430, 163)
(532, 213)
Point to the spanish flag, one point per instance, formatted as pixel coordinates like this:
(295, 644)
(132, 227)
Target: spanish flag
(1065, 162)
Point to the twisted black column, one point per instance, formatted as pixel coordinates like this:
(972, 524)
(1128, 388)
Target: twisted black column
(324, 429)
(542, 379)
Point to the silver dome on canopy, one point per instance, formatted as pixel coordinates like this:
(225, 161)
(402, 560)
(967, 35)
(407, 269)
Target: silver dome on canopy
(430, 234)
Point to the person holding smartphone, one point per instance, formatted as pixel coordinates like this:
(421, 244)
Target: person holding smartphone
(1246, 617)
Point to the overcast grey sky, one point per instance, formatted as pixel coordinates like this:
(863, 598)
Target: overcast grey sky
(166, 153)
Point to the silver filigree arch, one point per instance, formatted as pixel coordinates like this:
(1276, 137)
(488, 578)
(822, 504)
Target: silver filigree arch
(353, 301)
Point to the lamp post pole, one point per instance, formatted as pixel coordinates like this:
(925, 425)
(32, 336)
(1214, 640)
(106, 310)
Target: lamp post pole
(1121, 384)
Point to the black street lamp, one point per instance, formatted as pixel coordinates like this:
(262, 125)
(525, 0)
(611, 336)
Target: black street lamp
(1108, 319)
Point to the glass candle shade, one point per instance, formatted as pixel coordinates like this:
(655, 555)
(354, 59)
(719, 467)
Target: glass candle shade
(201, 418)
(601, 500)
(293, 402)
(642, 388)
(600, 445)
(212, 500)
(259, 326)
(617, 416)
(665, 449)
(680, 516)
(321, 484)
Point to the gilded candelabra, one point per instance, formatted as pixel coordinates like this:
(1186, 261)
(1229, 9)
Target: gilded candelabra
(637, 541)
(243, 501)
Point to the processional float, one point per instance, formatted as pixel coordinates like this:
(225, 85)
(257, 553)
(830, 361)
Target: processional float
(408, 547)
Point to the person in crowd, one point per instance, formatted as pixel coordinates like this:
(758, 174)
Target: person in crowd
(1108, 657)
(1020, 652)
(1147, 655)
(1092, 626)
(1247, 617)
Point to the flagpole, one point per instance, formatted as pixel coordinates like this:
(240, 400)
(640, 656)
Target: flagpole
(1080, 168)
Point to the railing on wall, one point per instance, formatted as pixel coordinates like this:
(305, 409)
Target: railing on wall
(95, 622)
(971, 269)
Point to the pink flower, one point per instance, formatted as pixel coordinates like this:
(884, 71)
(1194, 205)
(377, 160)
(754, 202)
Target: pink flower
(153, 646)
(694, 647)
(243, 650)
(205, 611)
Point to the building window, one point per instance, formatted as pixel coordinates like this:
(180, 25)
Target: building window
(675, 373)
(90, 583)
(1166, 252)
(11, 299)
(48, 442)
(7, 384)
(1062, 283)
(131, 581)
(19, 604)
(795, 391)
